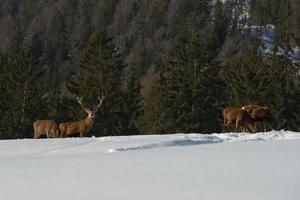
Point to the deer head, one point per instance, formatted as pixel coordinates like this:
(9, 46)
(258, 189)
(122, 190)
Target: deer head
(91, 112)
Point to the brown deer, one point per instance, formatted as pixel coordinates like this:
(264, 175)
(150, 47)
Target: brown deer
(260, 114)
(83, 126)
(249, 108)
(245, 122)
(264, 115)
(45, 127)
(229, 116)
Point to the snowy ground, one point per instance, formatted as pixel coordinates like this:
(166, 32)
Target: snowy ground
(263, 166)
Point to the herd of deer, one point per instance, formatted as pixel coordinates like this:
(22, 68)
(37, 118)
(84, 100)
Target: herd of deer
(247, 118)
(50, 128)
(244, 118)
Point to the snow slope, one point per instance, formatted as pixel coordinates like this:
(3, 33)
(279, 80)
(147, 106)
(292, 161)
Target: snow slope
(162, 167)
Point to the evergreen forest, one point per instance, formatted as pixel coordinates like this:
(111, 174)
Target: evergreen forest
(164, 66)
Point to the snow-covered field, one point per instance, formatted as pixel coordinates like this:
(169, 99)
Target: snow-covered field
(230, 166)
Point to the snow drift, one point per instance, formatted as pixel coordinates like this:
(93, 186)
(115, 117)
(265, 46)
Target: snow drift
(177, 167)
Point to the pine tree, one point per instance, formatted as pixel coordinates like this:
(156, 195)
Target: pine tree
(247, 82)
(4, 96)
(99, 74)
(24, 91)
(154, 118)
(221, 23)
(36, 49)
(286, 92)
(55, 50)
(190, 87)
(133, 102)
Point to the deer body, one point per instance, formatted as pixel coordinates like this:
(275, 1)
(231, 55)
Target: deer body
(249, 108)
(245, 122)
(45, 127)
(261, 114)
(71, 128)
(264, 115)
(229, 116)
(81, 127)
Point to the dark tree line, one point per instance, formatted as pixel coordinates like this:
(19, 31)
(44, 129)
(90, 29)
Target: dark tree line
(164, 66)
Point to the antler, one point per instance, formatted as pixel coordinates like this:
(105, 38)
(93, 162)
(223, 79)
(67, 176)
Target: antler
(79, 100)
(100, 102)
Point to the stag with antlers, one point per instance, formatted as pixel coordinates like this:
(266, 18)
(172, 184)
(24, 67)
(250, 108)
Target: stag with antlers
(83, 126)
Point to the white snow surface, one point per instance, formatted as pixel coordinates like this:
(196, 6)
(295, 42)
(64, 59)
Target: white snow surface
(262, 166)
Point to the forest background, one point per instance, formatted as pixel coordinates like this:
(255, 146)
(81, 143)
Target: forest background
(165, 66)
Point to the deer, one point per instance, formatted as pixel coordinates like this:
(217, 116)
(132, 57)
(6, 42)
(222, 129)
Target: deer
(249, 108)
(264, 115)
(260, 114)
(83, 126)
(244, 121)
(45, 127)
(229, 116)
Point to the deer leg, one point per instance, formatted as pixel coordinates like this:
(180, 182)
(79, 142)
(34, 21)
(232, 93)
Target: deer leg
(226, 125)
(240, 128)
(255, 127)
(81, 134)
(247, 129)
(62, 132)
(270, 127)
(265, 128)
(250, 129)
(244, 128)
(35, 135)
(228, 122)
(224, 130)
(237, 125)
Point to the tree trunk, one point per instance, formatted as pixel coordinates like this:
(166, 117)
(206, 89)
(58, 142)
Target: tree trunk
(24, 101)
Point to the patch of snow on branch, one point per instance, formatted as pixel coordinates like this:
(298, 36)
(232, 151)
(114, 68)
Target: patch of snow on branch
(267, 35)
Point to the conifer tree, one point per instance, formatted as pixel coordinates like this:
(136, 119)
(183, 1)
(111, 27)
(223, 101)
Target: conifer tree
(98, 74)
(286, 93)
(24, 92)
(191, 90)
(247, 82)
(133, 102)
(4, 97)
(154, 118)
(221, 23)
